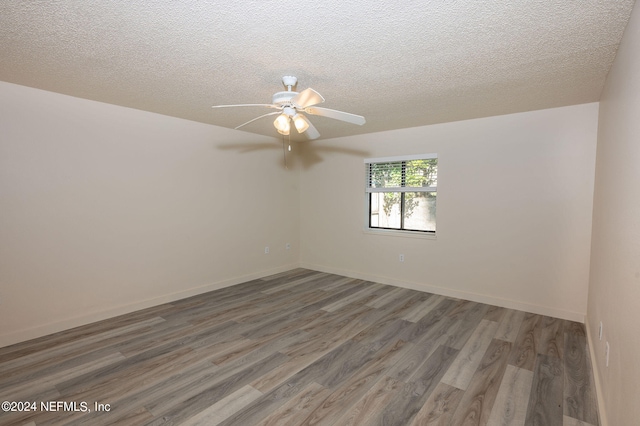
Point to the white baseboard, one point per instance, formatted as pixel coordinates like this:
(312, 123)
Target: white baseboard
(68, 323)
(602, 413)
(474, 297)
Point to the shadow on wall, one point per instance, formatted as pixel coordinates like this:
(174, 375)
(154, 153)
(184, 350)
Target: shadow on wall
(291, 158)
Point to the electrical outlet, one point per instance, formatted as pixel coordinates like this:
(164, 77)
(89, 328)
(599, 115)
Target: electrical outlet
(287, 246)
(606, 355)
(266, 250)
(600, 331)
(402, 258)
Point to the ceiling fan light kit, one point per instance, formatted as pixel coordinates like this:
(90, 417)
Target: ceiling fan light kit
(282, 125)
(292, 104)
(301, 123)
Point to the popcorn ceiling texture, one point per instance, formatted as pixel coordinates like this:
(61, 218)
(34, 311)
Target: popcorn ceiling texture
(400, 64)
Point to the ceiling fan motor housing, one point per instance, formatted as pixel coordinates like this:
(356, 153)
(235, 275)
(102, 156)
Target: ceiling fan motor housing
(282, 98)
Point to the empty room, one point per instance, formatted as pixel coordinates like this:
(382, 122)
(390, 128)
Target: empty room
(319, 213)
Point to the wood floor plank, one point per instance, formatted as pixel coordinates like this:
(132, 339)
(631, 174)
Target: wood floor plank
(381, 332)
(132, 406)
(397, 308)
(479, 398)
(424, 326)
(510, 325)
(218, 391)
(224, 408)
(278, 396)
(42, 382)
(290, 274)
(53, 340)
(579, 388)
(71, 348)
(439, 407)
(465, 324)
(419, 311)
(495, 313)
(510, 408)
(347, 394)
(352, 298)
(99, 383)
(302, 356)
(387, 298)
(416, 355)
(344, 366)
(185, 333)
(461, 307)
(267, 307)
(337, 320)
(546, 399)
(266, 345)
(393, 309)
(220, 307)
(552, 337)
(371, 404)
(525, 348)
(292, 321)
(298, 408)
(341, 292)
(575, 328)
(408, 401)
(294, 282)
(337, 283)
(286, 371)
(303, 347)
(464, 367)
(570, 421)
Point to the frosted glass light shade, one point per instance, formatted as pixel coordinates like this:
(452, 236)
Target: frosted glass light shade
(300, 122)
(282, 124)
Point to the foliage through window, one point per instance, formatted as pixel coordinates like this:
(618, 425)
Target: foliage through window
(402, 192)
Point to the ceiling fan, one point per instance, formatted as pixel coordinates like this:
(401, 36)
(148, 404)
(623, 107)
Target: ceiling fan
(290, 106)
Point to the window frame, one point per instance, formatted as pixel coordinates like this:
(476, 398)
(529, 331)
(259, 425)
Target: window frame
(369, 195)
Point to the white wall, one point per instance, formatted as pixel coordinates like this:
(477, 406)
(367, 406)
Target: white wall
(614, 291)
(513, 210)
(105, 210)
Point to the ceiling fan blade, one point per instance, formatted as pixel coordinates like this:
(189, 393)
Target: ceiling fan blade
(246, 105)
(312, 132)
(257, 118)
(307, 98)
(338, 115)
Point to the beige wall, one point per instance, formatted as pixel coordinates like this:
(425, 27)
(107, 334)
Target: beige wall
(105, 210)
(614, 291)
(513, 211)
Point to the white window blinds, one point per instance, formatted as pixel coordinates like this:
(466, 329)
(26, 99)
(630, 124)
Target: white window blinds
(402, 174)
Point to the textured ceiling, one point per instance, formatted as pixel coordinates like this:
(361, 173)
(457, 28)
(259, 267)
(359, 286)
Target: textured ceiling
(399, 64)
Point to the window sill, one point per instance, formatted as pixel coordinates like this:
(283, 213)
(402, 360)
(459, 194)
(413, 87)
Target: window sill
(405, 234)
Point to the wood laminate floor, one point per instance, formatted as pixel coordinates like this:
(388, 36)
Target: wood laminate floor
(307, 348)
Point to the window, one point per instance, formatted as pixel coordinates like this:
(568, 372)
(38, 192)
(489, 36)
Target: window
(401, 192)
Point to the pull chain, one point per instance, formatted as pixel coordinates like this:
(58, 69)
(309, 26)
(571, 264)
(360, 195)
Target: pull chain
(284, 154)
(284, 151)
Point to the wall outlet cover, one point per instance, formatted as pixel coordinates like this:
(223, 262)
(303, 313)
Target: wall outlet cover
(600, 331)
